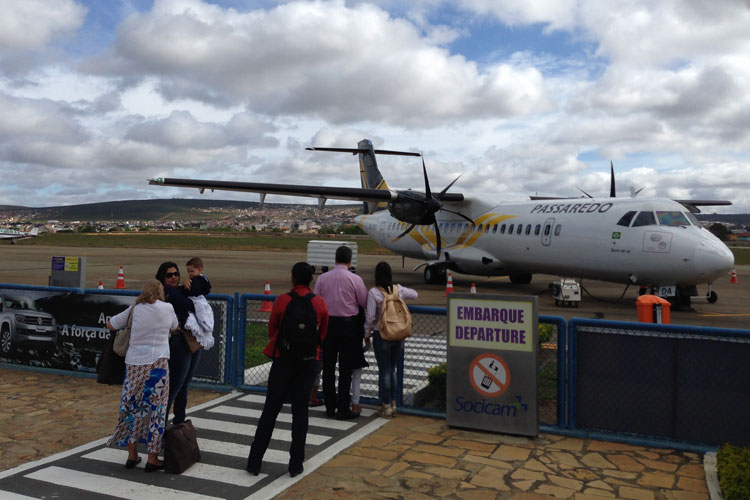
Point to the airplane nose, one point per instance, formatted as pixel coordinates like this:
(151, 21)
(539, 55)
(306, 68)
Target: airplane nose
(713, 259)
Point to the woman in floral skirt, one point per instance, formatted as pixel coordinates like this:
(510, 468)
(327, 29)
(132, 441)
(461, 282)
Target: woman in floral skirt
(145, 391)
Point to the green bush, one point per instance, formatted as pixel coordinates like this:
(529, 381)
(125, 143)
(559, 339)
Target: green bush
(438, 378)
(733, 465)
(546, 331)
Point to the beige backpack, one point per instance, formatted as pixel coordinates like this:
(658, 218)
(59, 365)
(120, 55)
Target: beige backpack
(395, 321)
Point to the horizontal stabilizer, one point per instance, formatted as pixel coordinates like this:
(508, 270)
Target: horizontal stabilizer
(355, 151)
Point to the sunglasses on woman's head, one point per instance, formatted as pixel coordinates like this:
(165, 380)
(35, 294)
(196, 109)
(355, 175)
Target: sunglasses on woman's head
(171, 275)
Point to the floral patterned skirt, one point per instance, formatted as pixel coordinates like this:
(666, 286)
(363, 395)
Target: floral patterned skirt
(143, 406)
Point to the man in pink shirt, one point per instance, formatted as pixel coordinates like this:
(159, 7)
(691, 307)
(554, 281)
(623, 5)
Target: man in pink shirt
(344, 293)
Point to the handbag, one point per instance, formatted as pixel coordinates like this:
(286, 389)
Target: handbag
(180, 448)
(191, 341)
(110, 368)
(122, 339)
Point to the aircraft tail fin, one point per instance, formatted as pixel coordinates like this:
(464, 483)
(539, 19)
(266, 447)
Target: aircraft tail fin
(34, 232)
(369, 174)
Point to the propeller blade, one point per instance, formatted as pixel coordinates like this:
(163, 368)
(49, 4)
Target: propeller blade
(584, 192)
(437, 240)
(449, 186)
(460, 215)
(408, 229)
(426, 181)
(612, 180)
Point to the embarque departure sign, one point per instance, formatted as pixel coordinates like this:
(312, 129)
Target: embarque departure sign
(492, 359)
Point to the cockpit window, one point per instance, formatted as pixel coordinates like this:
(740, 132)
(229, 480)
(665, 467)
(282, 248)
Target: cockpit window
(625, 219)
(672, 218)
(692, 218)
(645, 219)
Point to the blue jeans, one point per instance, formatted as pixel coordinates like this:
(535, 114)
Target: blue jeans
(182, 365)
(387, 353)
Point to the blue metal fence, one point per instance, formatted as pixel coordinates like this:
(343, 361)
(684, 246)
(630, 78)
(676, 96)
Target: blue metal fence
(695, 376)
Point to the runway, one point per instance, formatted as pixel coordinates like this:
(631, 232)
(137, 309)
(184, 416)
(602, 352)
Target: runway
(248, 271)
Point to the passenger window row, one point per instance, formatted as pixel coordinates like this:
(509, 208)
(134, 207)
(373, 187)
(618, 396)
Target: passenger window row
(449, 227)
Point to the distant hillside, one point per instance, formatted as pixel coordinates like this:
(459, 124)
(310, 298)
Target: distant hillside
(170, 209)
(736, 219)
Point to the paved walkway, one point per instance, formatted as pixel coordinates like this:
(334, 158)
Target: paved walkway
(408, 457)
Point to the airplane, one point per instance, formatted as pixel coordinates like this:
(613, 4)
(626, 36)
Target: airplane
(13, 235)
(654, 243)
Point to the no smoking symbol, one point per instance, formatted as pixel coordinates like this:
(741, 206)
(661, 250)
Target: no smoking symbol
(489, 375)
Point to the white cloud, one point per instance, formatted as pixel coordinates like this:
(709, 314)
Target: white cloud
(316, 59)
(33, 24)
(197, 89)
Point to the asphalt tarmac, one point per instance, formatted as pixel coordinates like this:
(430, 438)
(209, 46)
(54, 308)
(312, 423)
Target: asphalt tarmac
(248, 271)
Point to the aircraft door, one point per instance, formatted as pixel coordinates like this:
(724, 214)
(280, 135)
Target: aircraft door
(383, 234)
(547, 231)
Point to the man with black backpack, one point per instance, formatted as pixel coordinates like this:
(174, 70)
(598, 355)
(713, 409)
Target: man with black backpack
(296, 329)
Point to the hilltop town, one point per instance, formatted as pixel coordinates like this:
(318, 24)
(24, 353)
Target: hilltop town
(219, 216)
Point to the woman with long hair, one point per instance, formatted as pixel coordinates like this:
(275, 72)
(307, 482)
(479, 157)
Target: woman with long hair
(145, 391)
(387, 352)
(182, 360)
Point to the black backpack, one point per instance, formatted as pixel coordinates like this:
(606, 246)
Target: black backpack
(298, 336)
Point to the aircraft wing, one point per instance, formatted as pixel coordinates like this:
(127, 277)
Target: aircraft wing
(320, 192)
(693, 205)
(338, 193)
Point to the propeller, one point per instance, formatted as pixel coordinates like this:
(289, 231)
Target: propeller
(611, 183)
(430, 205)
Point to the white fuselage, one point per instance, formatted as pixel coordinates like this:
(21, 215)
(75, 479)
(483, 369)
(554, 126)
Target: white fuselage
(582, 238)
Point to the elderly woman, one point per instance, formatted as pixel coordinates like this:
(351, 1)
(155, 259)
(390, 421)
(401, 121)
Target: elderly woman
(182, 361)
(143, 406)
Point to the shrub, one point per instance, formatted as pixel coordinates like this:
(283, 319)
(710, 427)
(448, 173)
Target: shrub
(438, 377)
(546, 331)
(733, 464)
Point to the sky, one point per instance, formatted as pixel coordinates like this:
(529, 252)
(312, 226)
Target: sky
(519, 98)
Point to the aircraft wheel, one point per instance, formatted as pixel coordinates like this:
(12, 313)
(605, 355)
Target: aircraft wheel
(712, 297)
(323, 269)
(520, 278)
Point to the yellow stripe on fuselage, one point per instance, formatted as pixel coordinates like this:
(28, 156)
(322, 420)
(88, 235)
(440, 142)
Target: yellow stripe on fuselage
(469, 237)
(425, 234)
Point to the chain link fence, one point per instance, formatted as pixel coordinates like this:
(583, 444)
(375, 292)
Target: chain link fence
(421, 372)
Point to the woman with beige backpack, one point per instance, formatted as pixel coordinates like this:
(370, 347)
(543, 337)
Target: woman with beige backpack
(388, 322)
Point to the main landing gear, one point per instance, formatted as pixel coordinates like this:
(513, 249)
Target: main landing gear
(520, 278)
(436, 275)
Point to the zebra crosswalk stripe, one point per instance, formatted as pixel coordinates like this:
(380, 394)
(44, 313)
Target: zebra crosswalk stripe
(225, 426)
(106, 485)
(198, 470)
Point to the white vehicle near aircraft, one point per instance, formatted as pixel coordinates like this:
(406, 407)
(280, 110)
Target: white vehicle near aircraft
(651, 242)
(13, 235)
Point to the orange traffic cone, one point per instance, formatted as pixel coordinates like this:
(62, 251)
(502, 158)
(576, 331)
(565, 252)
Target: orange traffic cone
(101, 285)
(266, 303)
(473, 288)
(449, 285)
(733, 279)
(120, 279)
